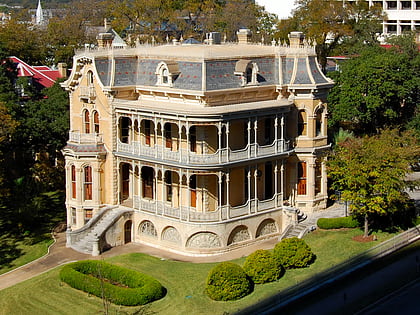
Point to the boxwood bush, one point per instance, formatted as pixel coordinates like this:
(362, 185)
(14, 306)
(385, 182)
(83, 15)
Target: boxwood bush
(227, 281)
(119, 285)
(337, 223)
(293, 253)
(262, 267)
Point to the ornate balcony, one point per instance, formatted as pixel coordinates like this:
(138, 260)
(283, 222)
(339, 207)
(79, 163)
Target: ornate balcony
(223, 213)
(222, 156)
(76, 137)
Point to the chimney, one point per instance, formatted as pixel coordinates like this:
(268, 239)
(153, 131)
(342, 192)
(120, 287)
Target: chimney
(244, 36)
(296, 39)
(105, 40)
(62, 69)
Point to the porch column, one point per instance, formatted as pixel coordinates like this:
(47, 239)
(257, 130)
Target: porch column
(227, 141)
(227, 193)
(276, 173)
(187, 131)
(155, 189)
(118, 181)
(249, 190)
(155, 144)
(256, 187)
(220, 200)
(188, 195)
(180, 140)
(282, 178)
(311, 178)
(219, 146)
(255, 136)
(283, 141)
(275, 133)
(249, 136)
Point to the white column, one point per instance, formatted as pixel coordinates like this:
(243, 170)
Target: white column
(227, 141)
(219, 146)
(276, 122)
(276, 183)
(227, 193)
(249, 136)
(256, 187)
(220, 200)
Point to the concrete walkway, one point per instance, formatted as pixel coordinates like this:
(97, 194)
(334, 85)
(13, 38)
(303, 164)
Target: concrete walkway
(59, 254)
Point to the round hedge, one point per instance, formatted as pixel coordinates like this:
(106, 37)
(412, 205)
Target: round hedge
(227, 281)
(262, 267)
(120, 285)
(293, 253)
(337, 223)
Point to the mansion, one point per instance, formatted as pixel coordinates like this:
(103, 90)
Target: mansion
(194, 148)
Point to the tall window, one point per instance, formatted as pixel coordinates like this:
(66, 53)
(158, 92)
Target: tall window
(147, 181)
(193, 190)
(318, 176)
(301, 178)
(90, 78)
(302, 122)
(73, 181)
(73, 216)
(125, 125)
(168, 136)
(96, 121)
(147, 132)
(318, 123)
(88, 183)
(193, 139)
(168, 184)
(88, 215)
(86, 118)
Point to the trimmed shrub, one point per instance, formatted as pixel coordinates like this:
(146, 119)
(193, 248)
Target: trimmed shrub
(119, 285)
(227, 281)
(262, 267)
(337, 223)
(293, 253)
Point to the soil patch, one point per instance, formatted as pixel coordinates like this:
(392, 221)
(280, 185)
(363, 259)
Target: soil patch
(361, 239)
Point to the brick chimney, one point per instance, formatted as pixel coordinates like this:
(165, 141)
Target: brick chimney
(244, 36)
(296, 39)
(62, 69)
(105, 40)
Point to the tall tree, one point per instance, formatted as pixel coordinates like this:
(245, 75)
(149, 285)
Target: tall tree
(376, 89)
(370, 173)
(328, 22)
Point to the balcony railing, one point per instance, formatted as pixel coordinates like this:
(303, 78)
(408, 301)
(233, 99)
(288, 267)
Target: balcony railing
(87, 92)
(75, 136)
(223, 213)
(224, 155)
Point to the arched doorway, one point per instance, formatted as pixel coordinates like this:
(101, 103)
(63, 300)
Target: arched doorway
(127, 231)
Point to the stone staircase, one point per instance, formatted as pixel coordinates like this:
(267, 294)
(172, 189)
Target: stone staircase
(90, 234)
(307, 223)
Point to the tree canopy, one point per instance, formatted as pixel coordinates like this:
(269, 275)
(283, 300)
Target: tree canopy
(377, 89)
(370, 172)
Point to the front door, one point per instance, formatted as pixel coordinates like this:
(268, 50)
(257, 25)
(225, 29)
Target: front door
(127, 231)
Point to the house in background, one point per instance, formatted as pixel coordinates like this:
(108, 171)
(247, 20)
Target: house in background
(39, 77)
(196, 148)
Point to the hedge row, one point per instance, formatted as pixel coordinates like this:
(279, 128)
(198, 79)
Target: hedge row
(337, 223)
(120, 285)
(228, 281)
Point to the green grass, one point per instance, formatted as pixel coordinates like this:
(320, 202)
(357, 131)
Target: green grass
(27, 252)
(185, 282)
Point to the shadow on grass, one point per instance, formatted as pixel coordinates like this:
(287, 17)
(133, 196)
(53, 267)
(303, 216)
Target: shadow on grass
(321, 282)
(8, 251)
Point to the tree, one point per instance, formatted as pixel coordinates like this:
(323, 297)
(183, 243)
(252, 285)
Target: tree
(370, 173)
(328, 22)
(377, 89)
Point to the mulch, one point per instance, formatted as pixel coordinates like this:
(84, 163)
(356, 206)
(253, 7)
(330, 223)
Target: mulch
(362, 239)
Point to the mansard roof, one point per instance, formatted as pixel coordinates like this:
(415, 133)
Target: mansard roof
(201, 67)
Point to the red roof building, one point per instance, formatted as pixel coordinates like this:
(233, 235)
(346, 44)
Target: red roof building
(41, 76)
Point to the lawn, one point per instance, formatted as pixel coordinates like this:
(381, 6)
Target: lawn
(184, 282)
(25, 251)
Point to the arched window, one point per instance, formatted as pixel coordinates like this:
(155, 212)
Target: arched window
(168, 135)
(248, 72)
(302, 123)
(318, 123)
(87, 184)
(96, 121)
(167, 72)
(86, 121)
(73, 181)
(301, 178)
(90, 78)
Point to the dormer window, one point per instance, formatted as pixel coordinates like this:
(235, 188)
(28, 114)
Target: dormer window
(248, 72)
(167, 72)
